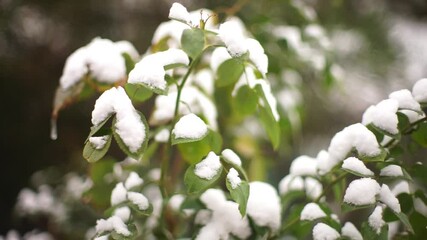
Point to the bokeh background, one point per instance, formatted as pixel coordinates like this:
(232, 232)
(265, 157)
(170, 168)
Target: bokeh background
(381, 46)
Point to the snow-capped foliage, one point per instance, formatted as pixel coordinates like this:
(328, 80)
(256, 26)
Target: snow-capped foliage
(419, 90)
(388, 198)
(391, 171)
(264, 205)
(303, 166)
(362, 191)
(113, 223)
(190, 126)
(151, 69)
(139, 200)
(350, 231)
(129, 125)
(354, 136)
(208, 167)
(123, 213)
(383, 115)
(405, 100)
(99, 142)
(231, 157)
(233, 178)
(179, 13)
(357, 166)
(375, 220)
(118, 195)
(133, 180)
(324, 232)
(224, 219)
(101, 58)
(312, 211)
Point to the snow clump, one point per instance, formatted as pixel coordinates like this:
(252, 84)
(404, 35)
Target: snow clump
(362, 191)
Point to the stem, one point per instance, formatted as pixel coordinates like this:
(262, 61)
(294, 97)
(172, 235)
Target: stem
(330, 185)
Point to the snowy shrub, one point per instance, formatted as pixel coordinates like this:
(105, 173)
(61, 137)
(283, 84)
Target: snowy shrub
(183, 177)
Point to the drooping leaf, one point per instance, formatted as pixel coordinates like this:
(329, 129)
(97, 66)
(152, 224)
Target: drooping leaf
(420, 135)
(229, 72)
(138, 92)
(240, 195)
(92, 154)
(195, 184)
(271, 126)
(192, 152)
(345, 207)
(130, 64)
(245, 101)
(138, 154)
(404, 219)
(193, 42)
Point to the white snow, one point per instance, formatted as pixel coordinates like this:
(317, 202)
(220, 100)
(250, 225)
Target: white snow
(271, 100)
(354, 136)
(232, 34)
(175, 201)
(205, 80)
(350, 231)
(388, 198)
(375, 220)
(162, 136)
(420, 206)
(313, 188)
(231, 157)
(133, 180)
(208, 167)
(419, 90)
(312, 211)
(405, 100)
(128, 125)
(123, 213)
(324, 232)
(98, 142)
(233, 178)
(112, 223)
(118, 195)
(75, 68)
(362, 191)
(191, 98)
(127, 47)
(190, 126)
(290, 183)
(355, 165)
(257, 55)
(76, 185)
(139, 200)
(400, 186)
(150, 70)
(290, 33)
(303, 166)
(383, 115)
(225, 218)
(264, 205)
(179, 13)
(391, 171)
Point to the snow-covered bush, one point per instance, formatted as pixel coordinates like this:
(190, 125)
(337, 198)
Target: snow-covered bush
(183, 177)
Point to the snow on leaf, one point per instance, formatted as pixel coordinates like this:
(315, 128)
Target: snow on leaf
(324, 232)
(189, 128)
(354, 165)
(362, 191)
(312, 211)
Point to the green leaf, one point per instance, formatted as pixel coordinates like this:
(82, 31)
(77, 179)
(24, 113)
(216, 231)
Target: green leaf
(379, 158)
(356, 173)
(229, 72)
(271, 126)
(139, 212)
(240, 195)
(192, 152)
(130, 64)
(91, 154)
(345, 207)
(138, 154)
(420, 135)
(193, 42)
(404, 219)
(369, 233)
(176, 140)
(99, 130)
(131, 227)
(245, 101)
(195, 184)
(138, 92)
(238, 168)
(403, 121)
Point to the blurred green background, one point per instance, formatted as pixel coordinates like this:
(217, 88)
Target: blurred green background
(381, 46)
